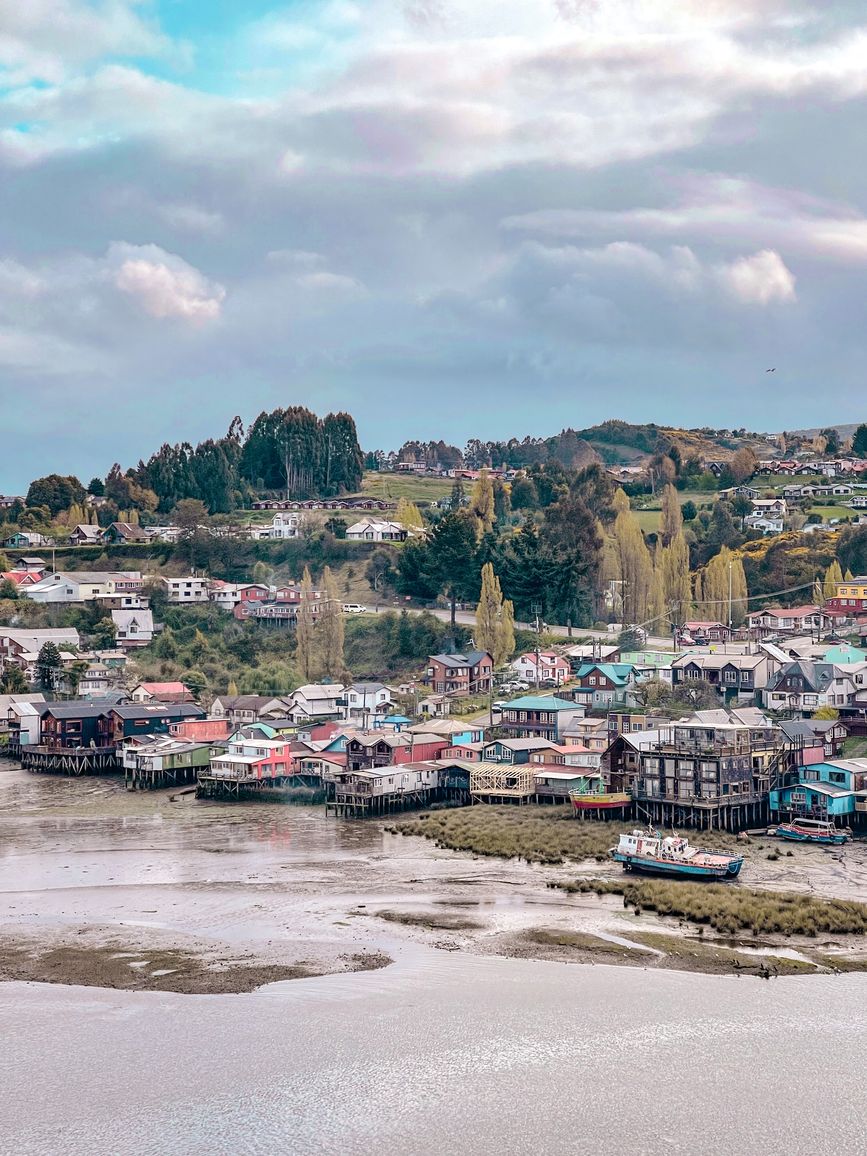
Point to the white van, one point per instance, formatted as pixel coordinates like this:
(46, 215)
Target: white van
(353, 608)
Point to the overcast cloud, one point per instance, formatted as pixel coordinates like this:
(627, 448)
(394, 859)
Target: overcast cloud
(453, 219)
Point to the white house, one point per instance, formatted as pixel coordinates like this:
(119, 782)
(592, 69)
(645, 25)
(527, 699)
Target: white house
(316, 700)
(376, 530)
(552, 667)
(134, 627)
(366, 701)
(188, 589)
(284, 524)
(767, 524)
(770, 507)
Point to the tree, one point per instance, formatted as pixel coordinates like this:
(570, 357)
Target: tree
(329, 628)
(189, 514)
(457, 498)
(452, 553)
(635, 568)
(380, 570)
(56, 492)
(482, 502)
(104, 634)
(723, 583)
(859, 442)
(833, 575)
(408, 515)
(832, 441)
(49, 667)
(671, 521)
(9, 589)
(828, 713)
(304, 628)
(13, 681)
(524, 495)
(742, 466)
(495, 623)
(96, 487)
(676, 583)
(196, 682)
(688, 510)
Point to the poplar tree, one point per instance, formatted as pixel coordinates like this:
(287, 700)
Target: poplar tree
(676, 585)
(715, 588)
(634, 563)
(330, 628)
(304, 628)
(408, 514)
(495, 619)
(671, 520)
(482, 503)
(833, 575)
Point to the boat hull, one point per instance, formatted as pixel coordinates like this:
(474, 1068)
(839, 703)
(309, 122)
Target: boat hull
(677, 870)
(600, 802)
(833, 840)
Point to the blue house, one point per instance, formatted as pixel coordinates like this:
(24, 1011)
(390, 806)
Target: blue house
(835, 789)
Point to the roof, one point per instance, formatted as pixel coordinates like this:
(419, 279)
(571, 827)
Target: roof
(540, 702)
(790, 612)
(471, 658)
(717, 661)
(522, 744)
(163, 687)
(242, 701)
(822, 788)
(368, 687)
(617, 672)
(71, 710)
(157, 709)
(319, 690)
(817, 676)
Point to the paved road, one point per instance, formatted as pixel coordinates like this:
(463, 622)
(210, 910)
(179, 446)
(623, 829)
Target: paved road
(468, 618)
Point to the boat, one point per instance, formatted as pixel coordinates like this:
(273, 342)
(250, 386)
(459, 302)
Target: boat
(812, 831)
(591, 795)
(673, 855)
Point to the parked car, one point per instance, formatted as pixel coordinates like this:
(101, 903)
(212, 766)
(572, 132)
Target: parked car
(353, 608)
(519, 684)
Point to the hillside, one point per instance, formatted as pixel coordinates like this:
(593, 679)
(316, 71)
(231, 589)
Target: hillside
(622, 442)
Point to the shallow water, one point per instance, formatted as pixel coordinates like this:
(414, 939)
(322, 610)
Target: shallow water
(441, 1052)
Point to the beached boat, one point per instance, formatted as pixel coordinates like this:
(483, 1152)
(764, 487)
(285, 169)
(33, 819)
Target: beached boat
(812, 831)
(592, 796)
(655, 854)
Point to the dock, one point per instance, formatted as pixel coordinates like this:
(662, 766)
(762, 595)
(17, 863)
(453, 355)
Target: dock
(71, 761)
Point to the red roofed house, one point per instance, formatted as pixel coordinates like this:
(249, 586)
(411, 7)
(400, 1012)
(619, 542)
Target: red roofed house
(706, 631)
(791, 620)
(22, 577)
(161, 692)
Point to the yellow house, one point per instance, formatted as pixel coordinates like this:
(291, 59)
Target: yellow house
(852, 588)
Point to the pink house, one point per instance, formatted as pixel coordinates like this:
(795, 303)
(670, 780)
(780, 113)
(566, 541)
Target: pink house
(552, 667)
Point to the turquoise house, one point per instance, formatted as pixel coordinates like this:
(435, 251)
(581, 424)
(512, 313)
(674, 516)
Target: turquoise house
(831, 790)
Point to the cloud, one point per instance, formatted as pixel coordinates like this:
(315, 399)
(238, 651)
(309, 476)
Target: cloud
(164, 285)
(761, 279)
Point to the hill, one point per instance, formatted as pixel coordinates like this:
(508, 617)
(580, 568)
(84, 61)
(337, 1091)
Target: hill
(622, 442)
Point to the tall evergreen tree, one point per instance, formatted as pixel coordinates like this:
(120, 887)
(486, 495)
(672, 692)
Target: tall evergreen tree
(330, 628)
(482, 502)
(495, 623)
(833, 575)
(671, 518)
(304, 657)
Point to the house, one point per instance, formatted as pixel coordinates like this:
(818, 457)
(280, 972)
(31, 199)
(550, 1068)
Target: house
(738, 674)
(850, 599)
(251, 758)
(764, 522)
(9, 704)
(241, 709)
(228, 595)
(366, 701)
(588, 733)
(367, 750)
(65, 725)
(460, 675)
(604, 684)
(804, 686)
(376, 530)
(205, 730)
(770, 507)
(591, 652)
(789, 620)
(551, 669)
(706, 763)
(703, 632)
(283, 525)
(30, 562)
(15, 641)
(448, 728)
(161, 692)
(21, 578)
(86, 586)
(147, 718)
(517, 750)
(120, 532)
(836, 789)
(134, 627)
(315, 701)
(539, 716)
(184, 590)
(23, 540)
(86, 536)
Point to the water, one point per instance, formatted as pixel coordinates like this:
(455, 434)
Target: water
(441, 1052)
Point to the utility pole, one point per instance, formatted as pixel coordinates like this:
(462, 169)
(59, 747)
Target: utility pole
(730, 597)
(537, 627)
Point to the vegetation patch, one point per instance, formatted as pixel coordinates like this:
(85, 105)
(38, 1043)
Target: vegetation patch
(432, 920)
(729, 909)
(535, 833)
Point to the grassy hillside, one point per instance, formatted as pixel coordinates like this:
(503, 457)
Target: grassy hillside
(618, 441)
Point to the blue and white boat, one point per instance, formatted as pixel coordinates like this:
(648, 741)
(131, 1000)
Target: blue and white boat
(655, 854)
(812, 831)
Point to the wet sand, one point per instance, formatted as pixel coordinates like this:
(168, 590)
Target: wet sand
(107, 888)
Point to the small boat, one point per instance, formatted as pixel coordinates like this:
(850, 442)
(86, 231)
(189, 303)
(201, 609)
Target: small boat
(594, 797)
(673, 855)
(812, 831)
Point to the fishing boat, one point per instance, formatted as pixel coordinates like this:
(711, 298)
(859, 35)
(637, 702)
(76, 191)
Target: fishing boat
(673, 855)
(812, 831)
(590, 795)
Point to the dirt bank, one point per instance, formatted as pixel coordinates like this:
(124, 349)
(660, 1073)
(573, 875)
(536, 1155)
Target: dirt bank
(90, 960)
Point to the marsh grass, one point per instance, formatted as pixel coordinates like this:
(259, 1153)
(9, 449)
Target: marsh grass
(537, 834)
(729, 909)
(432, 920)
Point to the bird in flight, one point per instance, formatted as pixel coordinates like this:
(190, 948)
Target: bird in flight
(774, 370)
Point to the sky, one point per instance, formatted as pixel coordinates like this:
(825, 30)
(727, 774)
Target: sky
(453, 218)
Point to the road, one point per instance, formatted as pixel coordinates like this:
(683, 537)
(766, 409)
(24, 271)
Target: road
(468, 618)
